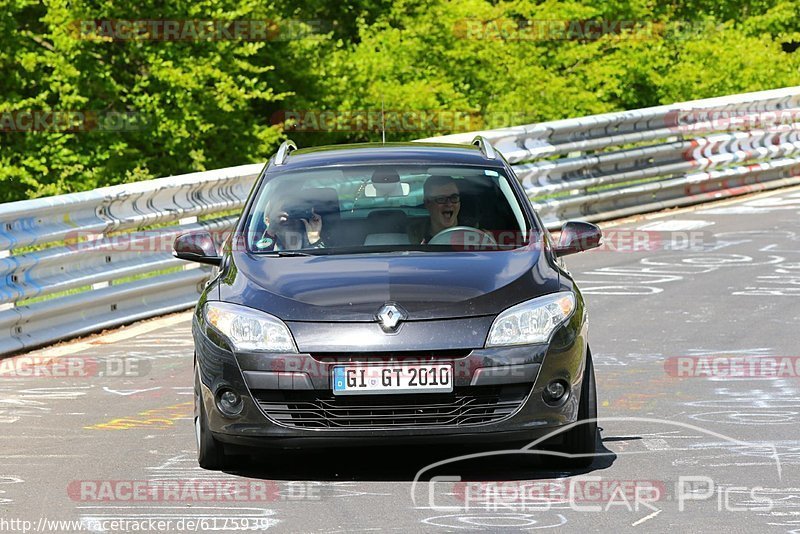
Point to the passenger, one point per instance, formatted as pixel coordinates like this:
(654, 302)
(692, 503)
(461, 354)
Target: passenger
(290, 228)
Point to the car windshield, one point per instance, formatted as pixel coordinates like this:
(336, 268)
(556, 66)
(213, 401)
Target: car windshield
(374, 208)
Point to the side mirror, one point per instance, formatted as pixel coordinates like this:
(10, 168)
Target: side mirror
(577, 236)
(196, 246)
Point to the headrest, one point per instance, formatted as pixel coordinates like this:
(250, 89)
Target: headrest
(383, 175)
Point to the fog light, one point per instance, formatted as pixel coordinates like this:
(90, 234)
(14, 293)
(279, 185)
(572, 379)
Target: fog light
(555, 391)
(229, 402)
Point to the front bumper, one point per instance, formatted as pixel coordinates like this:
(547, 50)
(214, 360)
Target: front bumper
(268, 380)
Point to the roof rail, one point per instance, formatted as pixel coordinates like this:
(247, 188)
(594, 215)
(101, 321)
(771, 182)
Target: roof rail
(485, 146)
(283, 151)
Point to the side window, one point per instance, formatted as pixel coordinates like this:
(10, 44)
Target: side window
(512, 202)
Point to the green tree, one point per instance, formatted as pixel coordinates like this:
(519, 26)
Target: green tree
(199, 104)
(480, 63)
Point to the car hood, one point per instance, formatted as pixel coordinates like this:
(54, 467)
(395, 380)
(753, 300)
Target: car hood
(331, 288)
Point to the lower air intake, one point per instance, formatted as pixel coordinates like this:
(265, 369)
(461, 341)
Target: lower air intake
(468, 406)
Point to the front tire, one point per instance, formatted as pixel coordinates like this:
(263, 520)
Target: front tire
(210, 452)
(580, 440)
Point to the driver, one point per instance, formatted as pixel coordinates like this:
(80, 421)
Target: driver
(443, 202)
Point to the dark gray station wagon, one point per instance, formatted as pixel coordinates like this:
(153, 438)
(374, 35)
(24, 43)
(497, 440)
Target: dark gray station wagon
(397, 293)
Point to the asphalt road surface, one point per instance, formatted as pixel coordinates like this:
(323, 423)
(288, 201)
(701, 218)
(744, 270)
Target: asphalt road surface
(684, 446)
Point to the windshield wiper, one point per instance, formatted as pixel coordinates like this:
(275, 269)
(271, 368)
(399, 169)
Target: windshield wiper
(289, 253)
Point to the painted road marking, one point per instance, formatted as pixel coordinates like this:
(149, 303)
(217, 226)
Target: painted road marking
(158, 418)
(675, 225)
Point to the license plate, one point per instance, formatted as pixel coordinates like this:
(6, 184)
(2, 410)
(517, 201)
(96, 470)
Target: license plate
(383, 379)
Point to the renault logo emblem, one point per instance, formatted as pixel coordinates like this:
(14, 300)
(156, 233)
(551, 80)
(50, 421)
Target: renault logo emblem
(389, 317)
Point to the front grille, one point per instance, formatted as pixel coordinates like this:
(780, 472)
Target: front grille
(395, 356)
(467, 406)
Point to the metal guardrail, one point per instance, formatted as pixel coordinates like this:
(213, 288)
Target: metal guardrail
(79, 263)
(618, 164)
(87, 252)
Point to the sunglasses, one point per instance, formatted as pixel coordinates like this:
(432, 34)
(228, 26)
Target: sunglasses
(455, 198)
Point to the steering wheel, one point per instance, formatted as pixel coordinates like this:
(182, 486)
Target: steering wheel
(471, 237)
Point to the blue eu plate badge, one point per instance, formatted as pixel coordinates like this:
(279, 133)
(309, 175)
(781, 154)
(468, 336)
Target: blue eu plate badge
(338, 379)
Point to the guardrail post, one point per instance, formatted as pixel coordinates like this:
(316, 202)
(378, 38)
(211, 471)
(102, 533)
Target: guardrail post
(7, 305)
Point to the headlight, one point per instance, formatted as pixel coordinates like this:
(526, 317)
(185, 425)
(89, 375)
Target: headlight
(249, 329)
(533, 321)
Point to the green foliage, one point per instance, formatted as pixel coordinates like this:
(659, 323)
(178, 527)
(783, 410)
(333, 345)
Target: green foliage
(196, 104)
(445, 55)
(205, 104)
